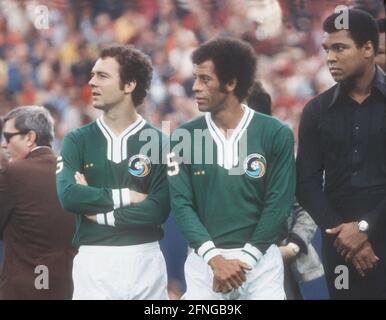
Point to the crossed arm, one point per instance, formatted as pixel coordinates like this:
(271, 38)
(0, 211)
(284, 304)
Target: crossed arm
(114, 207)
(134, 196)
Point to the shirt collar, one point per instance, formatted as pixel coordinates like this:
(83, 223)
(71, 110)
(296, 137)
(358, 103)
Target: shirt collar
(38, 151)
(378, 82)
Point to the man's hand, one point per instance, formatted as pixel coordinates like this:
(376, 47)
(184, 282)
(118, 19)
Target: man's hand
(365, 259)
(227, 274)
(80, 179)
(349, 239)
(137, 196)
(92, 217)
(287, 253)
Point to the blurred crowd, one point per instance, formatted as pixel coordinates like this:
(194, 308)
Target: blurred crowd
(50, 64)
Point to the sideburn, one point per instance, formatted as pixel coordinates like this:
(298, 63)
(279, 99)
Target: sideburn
(222, 88)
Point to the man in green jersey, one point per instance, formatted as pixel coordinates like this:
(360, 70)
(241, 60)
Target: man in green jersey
(232, 210)
(117, 191)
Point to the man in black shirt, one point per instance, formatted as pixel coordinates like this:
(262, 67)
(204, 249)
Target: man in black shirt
(341, 163)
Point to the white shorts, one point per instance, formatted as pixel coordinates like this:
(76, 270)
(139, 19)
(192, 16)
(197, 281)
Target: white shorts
(135, 272)
(264, 282)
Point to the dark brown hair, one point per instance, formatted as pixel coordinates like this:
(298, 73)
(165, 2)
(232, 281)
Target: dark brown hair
(134, 65)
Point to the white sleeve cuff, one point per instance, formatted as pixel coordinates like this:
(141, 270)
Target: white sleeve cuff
(121, 197)
(100, 218)
(106, 218)
(246, 258)
(252, 255)
(125, 192)
(208, 250)
(116, 198)
(110, 218)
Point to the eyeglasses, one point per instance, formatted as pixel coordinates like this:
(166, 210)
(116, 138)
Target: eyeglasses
(8, 135)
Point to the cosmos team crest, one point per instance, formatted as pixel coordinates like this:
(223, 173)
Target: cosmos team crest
(255, 165)
(139, 165)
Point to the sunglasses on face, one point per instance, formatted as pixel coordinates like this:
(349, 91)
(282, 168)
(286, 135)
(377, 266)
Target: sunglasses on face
(8, 135)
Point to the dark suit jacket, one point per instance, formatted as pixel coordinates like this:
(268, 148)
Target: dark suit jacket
(35, 231)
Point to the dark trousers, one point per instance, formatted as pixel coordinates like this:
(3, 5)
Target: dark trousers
(372, 286)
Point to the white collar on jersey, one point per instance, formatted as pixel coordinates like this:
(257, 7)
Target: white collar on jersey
(117, 145)
(228, 149)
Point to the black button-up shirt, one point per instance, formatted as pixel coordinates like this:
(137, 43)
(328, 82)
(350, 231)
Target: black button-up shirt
(341, 162)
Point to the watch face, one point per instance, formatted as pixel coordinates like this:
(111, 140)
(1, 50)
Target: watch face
(363, 225)
(295, 248)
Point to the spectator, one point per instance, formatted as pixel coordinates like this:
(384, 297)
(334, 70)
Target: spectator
(35, 230)
(259, 99)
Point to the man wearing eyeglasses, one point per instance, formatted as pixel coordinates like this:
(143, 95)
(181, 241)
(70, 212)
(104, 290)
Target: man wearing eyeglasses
(35, 230)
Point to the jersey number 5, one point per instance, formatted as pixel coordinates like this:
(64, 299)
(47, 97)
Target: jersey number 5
(174, 168)
(59, 165)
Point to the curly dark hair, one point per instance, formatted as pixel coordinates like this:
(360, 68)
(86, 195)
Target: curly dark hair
(134, 65)
(362, 27)
(232, 59)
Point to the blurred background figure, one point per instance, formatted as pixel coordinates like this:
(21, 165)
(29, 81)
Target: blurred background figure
(259, 99)
(373, 7)
(301, 261)
(35, 230)
(174, 247)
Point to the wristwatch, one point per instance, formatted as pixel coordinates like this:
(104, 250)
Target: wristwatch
(294, 248)
(363, 226)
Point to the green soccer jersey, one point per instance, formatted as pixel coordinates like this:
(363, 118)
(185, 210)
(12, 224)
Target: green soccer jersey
(243, 195)
(113, 165)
